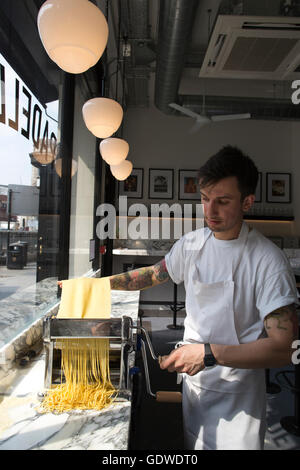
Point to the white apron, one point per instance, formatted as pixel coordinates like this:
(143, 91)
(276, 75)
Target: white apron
(223, 408)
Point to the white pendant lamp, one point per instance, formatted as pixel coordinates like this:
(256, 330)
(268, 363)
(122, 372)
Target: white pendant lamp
(114, 150)
(121, 171)
(73, 32)
(102, 116)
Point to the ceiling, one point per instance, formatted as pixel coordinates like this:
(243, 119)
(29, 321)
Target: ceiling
(168, 41)
(160, 47)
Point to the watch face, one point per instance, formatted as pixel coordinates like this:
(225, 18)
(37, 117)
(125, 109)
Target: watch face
(209, 361)
(209, 358)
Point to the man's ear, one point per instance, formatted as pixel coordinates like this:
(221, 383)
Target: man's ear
(248, 202)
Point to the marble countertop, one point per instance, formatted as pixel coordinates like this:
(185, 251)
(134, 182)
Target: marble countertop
(24, 427)
(19, 310)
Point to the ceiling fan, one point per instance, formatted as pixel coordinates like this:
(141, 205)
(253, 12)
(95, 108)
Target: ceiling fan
(203, 119)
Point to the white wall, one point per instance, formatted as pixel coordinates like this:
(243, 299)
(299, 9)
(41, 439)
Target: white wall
(160, 141)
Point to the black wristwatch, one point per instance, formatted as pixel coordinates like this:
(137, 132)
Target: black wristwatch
(209, 358)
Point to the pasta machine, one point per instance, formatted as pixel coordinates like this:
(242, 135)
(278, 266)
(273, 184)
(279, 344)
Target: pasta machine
(122, 345)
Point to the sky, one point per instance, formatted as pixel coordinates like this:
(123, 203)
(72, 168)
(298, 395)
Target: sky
(15, 166)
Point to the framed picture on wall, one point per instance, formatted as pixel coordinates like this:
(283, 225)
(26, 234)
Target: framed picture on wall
(278, 187)
(188, 185)
(258, 192)
(133, 185)
(161, 183)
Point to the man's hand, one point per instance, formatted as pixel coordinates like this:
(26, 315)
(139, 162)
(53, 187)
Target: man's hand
(187, 359)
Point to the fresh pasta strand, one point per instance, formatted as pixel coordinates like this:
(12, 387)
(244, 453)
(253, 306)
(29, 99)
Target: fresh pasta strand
(87, 386)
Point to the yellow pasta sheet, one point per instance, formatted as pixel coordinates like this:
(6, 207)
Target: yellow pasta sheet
(85, 298)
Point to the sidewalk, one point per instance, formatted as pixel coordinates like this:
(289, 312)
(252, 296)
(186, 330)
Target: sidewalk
(12, 280)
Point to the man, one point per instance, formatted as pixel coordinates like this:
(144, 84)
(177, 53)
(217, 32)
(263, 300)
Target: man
(240, 310)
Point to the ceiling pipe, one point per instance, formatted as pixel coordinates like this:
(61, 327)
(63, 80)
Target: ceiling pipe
(135, 32)
(176, 21)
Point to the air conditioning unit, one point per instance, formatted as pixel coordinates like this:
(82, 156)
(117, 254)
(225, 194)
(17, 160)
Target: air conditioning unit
(253, 47)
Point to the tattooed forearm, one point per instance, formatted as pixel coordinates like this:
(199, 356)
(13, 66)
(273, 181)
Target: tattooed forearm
(142, 278)
(284, 318)
(137, 279)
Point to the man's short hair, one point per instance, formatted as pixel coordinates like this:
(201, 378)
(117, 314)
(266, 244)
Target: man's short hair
(230, 161)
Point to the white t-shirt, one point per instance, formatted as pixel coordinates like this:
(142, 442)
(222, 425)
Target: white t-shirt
(263, 279)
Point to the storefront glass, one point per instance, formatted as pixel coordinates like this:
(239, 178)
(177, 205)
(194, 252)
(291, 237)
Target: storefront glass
(29, 174)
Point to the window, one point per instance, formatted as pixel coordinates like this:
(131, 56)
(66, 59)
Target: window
(29, 181)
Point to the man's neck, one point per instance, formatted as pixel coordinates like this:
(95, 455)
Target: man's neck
(231, 234)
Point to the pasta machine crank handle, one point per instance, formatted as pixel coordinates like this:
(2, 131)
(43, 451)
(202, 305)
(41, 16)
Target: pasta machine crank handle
(145, 362)
(161, 396)
(145, 332)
